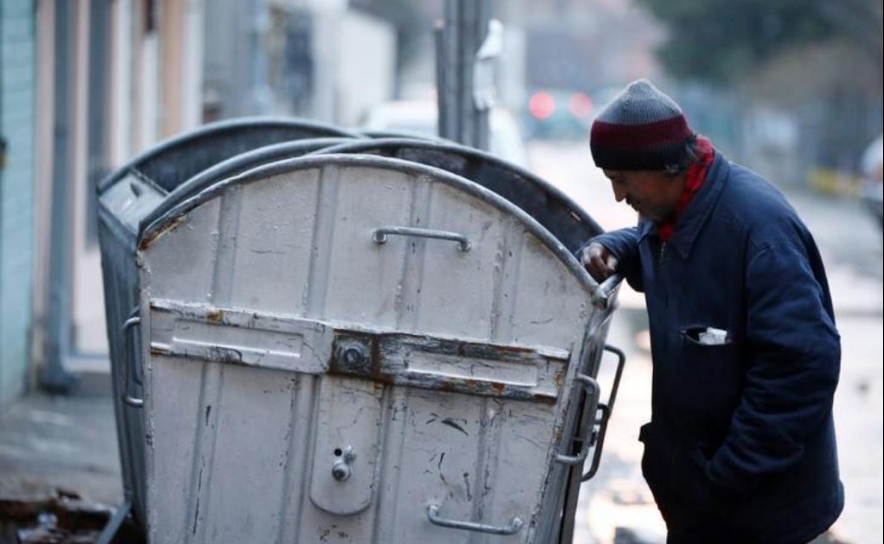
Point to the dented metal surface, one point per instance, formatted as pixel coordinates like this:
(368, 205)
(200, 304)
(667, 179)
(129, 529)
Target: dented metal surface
(146, 241)
(306, 384)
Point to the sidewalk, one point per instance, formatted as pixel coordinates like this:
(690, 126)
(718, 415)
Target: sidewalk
(69, 443)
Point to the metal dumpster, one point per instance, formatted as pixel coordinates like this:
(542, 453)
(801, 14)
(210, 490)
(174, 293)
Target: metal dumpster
(351, 348)
(126, 199)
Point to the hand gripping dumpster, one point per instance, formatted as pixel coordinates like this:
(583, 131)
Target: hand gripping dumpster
(350, 348)
(127, 199)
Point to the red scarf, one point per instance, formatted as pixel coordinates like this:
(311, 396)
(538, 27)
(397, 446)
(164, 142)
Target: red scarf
(696, 175)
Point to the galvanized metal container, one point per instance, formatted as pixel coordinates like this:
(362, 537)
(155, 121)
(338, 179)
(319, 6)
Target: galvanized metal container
(127, 199)
(350, 348)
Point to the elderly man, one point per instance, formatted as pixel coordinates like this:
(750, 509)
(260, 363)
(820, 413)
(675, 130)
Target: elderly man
(741, 444)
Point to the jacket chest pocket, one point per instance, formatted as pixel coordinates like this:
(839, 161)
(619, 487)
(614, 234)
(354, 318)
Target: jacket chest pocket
(711, 371)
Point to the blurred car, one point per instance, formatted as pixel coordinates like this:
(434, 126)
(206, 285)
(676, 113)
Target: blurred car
(558, 114)
(419, 118)
(872, 188)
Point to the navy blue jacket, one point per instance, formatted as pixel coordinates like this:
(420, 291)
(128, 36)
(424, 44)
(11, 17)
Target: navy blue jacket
(741, 444)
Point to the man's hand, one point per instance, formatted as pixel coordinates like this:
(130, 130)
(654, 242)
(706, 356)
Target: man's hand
(598, 261)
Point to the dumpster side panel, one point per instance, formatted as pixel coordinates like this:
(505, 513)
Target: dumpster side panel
(477, 460)
(457, 287)
(231, 456)
(118, 272)
(187, 261)
(264, 265)
(174, 431)
(246, 434)
(119, 210)
(243, 451)
(362, 279)
(546, 310)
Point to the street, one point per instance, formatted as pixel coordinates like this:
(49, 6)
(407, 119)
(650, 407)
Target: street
(617, 501)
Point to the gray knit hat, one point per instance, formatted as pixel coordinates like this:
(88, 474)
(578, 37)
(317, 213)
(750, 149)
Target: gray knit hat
(641, 129)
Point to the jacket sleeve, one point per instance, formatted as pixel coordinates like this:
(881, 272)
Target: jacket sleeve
(794, 355)
(623, 244)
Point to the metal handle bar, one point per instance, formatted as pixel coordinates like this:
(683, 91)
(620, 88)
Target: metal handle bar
(380, 235)
(600, 297)
(606, 410)
(514, 527)
(599, 440)
(130, 364)
(592, 395)
(621, 364)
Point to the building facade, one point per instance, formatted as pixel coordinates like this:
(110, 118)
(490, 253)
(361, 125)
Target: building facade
(17, 84)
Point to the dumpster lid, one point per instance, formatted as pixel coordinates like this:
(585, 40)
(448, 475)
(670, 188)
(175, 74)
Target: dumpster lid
(172, 218)
(173, 161)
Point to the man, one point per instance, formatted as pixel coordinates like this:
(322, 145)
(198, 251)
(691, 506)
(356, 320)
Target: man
(741, 443)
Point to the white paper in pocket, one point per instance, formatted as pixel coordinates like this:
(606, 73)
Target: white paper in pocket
(712, 337)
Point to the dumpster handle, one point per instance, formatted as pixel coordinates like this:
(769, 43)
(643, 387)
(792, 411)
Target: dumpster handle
(606, 410)
(603, 292)
(514, 527)
(380, 235)
(592, 394)
(130, 363)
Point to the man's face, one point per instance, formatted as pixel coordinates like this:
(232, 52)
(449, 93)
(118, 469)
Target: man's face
(653, 194)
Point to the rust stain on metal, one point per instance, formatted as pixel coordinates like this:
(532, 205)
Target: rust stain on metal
(215, 316)
(389, 355)
(559, 379)
(155, 235)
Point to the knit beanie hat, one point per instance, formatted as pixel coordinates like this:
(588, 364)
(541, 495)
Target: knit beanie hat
(641, 129)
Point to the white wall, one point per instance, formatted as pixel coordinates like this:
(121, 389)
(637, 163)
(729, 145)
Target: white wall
(366, 69)
(355, 60)
(192, 78)
(138, 110)
(120, 125)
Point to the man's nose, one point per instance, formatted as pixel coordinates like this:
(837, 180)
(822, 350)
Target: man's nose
(619, 194)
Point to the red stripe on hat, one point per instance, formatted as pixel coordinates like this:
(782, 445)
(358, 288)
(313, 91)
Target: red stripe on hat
(667, 131)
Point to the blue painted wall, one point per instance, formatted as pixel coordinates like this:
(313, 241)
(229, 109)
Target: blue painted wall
(17, 86)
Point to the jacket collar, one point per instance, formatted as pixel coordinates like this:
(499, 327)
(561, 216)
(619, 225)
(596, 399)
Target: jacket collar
(695, 215)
